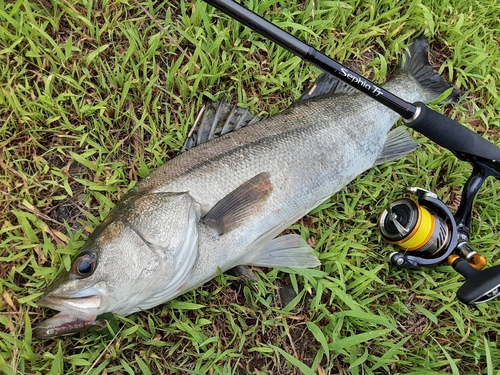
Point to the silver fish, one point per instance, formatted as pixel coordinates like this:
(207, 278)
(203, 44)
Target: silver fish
(224, 202)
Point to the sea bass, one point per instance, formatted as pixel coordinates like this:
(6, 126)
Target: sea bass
(223, 203)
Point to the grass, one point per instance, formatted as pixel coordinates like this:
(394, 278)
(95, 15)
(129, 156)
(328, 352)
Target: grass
(95, 95)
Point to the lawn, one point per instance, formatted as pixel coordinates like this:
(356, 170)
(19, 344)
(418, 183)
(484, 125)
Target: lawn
(94, 95)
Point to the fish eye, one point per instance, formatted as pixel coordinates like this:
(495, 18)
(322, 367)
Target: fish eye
(85, 265)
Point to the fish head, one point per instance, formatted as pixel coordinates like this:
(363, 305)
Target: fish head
(137, 258)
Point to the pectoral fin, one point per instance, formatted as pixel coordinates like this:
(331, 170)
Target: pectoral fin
(241, 203)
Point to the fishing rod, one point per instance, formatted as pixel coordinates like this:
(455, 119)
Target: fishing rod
(424, 228)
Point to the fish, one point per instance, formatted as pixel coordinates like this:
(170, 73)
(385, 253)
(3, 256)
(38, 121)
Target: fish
(224, 201)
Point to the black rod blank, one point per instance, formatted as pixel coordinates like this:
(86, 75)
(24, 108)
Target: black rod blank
(311, 55)
(435, 126)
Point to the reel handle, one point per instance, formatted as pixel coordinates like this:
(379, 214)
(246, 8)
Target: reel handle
(480, 286)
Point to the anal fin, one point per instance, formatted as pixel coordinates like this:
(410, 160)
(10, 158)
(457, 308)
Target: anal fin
(398, 144)
(246, 200)
(286, 251)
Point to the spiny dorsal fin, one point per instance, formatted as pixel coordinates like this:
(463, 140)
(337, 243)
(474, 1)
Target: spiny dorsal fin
(216, 119)
(326, 85)
(246, 200)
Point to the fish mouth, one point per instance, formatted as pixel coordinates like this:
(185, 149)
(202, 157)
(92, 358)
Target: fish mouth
(63, 324)
(75, 315)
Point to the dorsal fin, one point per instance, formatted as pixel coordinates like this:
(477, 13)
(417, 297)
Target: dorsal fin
(216, 119)
(326, 85)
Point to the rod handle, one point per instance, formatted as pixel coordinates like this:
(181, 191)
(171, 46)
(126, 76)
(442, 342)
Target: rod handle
(450, 134)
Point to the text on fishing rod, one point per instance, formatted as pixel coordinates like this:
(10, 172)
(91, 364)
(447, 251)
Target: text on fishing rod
(361, 82)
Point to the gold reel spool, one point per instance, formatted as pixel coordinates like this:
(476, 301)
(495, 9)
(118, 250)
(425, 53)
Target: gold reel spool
(413, 227)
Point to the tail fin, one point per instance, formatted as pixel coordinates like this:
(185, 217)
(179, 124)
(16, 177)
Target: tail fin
(416, 64)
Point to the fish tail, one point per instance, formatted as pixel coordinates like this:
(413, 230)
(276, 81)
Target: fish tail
(416, 65)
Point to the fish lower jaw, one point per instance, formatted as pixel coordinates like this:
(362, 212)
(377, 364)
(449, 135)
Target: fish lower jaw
(63, 324)
(75, 315)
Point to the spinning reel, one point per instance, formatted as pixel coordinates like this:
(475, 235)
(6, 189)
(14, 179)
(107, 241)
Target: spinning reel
(428, 234)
